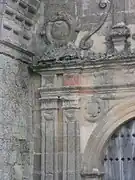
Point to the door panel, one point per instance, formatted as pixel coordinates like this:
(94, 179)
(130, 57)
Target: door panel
(119, 154)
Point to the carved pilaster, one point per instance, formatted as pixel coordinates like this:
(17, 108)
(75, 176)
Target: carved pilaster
(48, 131)
(70, 106)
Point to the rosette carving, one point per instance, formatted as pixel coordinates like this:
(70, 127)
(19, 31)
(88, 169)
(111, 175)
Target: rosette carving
(60, 28)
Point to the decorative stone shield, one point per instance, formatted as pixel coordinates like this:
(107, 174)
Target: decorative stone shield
(60, 28)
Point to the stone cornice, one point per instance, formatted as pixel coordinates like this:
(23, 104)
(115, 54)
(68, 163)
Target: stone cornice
(16, 52)
(103, 90)
(92, 61)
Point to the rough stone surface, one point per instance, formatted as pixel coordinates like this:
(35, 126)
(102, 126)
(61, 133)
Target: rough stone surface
(15, 119)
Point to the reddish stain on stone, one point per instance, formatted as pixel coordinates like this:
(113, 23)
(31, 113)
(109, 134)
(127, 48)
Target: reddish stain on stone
(86, 91)
(78, 80)
(72, 80)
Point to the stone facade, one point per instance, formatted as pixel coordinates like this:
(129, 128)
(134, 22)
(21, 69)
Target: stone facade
(67, 82)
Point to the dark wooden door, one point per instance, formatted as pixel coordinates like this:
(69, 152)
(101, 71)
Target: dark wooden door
(119, 154)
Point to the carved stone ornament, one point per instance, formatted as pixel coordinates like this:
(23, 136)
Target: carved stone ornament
(92, 109)
(49, 115)
(60, 28)
(49, 104)
(70, 115)
(103, 4)
(70, 102)
(86, 41)
(119, 35)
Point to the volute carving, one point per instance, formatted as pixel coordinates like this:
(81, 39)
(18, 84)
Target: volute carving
(86, 43)
(103, 3)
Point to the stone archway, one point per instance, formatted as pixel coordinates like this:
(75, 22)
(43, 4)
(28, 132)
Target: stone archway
(118, 115)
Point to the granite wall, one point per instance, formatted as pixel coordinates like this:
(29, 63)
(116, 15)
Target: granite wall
(67, 68)
(15, 120)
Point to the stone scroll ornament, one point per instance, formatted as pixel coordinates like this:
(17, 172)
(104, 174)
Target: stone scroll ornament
(60, 28)
(86, 43)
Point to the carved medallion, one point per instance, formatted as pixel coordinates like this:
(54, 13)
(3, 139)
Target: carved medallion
(92, 109)
(60, 28)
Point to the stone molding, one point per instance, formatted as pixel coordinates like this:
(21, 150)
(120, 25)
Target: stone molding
(77, 90)
(70, 102)
(91, 61)
(48, 103)
(16, 52)
(95, 174)
(119, 114)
